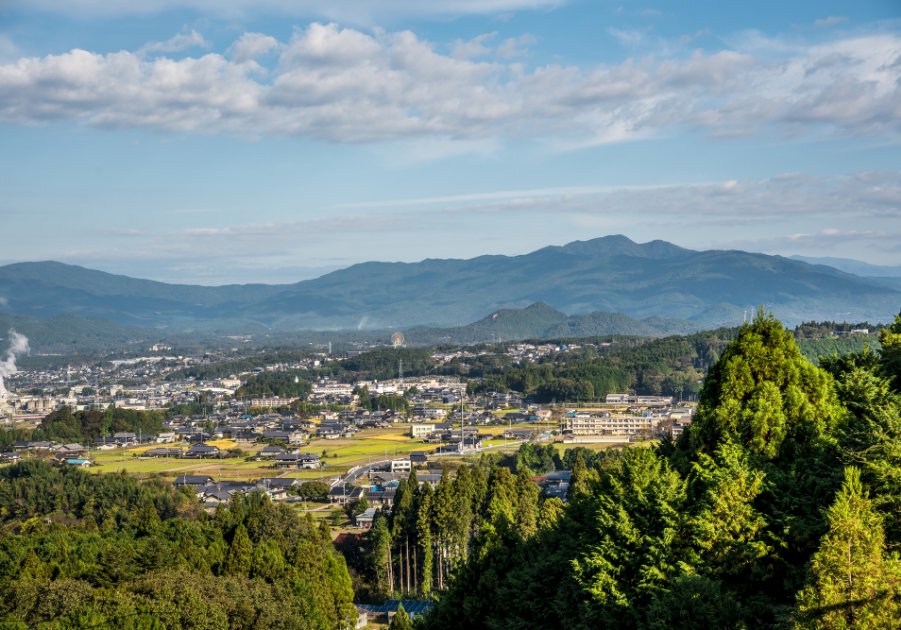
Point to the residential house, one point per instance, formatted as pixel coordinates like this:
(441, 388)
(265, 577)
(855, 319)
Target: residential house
(380, 497)
(161, 451)
(401, 465)
(290, 437)
(202, 451)
(341, 495)
(557, 483)
(366, 518)
(297, 460)
(69, 450)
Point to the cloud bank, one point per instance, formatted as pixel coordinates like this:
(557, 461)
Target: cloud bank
(764, 205)
(345, 85)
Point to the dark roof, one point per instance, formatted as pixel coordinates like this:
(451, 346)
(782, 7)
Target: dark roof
(192, 480)
(277, 482)
(205, 448)
(297, 456)
(381, 494)
(339, 491)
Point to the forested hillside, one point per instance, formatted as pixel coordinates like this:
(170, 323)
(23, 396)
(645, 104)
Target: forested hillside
(64, 426)
(117, 554)
(671, 365)
(777, 508)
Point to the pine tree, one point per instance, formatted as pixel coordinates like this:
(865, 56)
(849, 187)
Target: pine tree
(578, 480)
(526, 504)
(146, 519)
(890, 361)
(378, 541)
(853, 583)
(240, 553)
(424, 533)
(763, 392)
(401, 620)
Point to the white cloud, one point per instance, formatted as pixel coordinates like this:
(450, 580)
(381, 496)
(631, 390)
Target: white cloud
(250, 46)
(829, 21)
(798, 198)
(473, 48)
(178, 43)
(516, 46)
(345, 85)
(628, 37)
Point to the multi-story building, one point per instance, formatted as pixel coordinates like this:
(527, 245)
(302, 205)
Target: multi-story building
(606, 424)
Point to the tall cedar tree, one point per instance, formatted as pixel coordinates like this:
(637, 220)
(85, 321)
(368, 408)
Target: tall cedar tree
(854, 584)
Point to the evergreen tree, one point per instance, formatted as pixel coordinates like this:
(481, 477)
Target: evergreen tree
(890, 361)
(378, 541)
(763, 392)
(424, 534)
(401, 620)
(578, 480)
(240, 553)
(853, 583)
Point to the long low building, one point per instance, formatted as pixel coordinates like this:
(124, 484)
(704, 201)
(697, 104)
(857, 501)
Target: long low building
(604, 424)
(619, 399)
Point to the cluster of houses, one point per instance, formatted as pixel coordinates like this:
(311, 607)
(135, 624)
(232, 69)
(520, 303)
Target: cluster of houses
(211, 492)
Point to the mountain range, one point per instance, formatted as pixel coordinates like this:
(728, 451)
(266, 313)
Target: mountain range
(611, 274)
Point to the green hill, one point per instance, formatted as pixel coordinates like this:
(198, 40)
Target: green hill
(611, 274)
(68, 334)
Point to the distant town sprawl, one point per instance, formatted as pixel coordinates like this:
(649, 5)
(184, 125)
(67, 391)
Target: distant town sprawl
(245, 395)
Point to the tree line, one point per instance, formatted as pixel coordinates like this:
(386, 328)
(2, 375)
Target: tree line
(64, 425)
(778, 508)
(105, 552)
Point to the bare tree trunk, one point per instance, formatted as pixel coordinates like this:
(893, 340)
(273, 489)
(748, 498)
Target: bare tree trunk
(400, 568)
(408, 563)
(415, 569)
(390, 574)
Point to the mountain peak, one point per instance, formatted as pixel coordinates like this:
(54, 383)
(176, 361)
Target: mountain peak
(619, 245)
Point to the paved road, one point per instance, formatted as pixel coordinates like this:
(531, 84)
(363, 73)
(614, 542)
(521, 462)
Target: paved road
(362, 471)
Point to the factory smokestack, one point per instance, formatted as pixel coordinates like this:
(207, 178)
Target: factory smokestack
(18, 344)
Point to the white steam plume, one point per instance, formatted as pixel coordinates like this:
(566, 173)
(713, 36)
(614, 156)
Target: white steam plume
(364, 321)
(17, 345)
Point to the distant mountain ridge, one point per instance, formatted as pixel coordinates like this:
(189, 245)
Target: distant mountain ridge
(857, 267)
(540, 321)
(611, 274)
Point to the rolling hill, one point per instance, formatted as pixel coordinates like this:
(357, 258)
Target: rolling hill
(611, 274)
(69, 333)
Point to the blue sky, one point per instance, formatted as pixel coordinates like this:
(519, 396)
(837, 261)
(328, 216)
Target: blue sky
(269, 141)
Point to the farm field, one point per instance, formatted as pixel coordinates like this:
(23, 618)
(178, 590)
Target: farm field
(338, 457)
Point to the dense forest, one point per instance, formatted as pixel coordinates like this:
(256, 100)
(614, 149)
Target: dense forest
(671, 365)
(107, 553)
(63, 425)
(812, 349)
(285, 384)
(383, 363)
(778, 508)
(223, 369)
